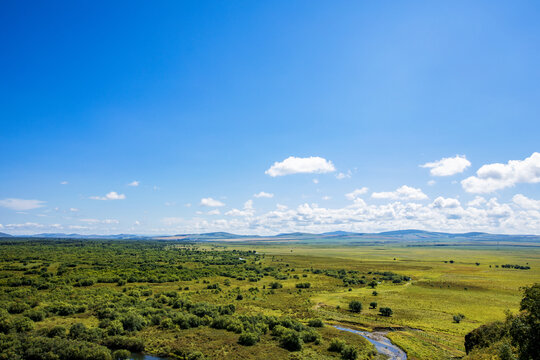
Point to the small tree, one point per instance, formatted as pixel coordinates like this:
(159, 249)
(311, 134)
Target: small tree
(336, 345)
(315, 323)
(385, 311)
(349, 353)
(291, 341)
(355, 306)
(374, 293)
(372, 305)
(248, 339)
(121, 354)
(372, 284)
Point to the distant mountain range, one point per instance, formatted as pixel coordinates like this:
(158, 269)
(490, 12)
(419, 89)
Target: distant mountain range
(335, 236)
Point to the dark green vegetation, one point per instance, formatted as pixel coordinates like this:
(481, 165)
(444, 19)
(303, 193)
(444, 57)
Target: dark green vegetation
(89, 299)
(518, 337)
(93, 299)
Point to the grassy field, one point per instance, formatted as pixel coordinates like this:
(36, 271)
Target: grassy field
(147, 278)
(424, 307)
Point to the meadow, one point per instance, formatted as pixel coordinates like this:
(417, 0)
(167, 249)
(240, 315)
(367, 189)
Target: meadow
(249, 299)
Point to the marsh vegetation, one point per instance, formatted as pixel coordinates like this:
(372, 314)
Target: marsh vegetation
(88, 299)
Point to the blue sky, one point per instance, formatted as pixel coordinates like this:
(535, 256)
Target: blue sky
(197, 102)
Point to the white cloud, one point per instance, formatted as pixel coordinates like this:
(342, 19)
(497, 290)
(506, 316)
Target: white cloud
(211, 202)
(73, 209)
(296, 165)
(448, 166)
(477, 202)
(263, 194)
(63, 183)
(315, 181)
(341, 176)
(134, 183)
(356, 193)
(113, 195)
(445, 203)
(188, 205)
(21, 204)
(492, 177)
(403, 193)
(525, 202)
(431, 182)
(247, 211)
(326, 197)
(443, 214)
(214, 212)
(137, 223)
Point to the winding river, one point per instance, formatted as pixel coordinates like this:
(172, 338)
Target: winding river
(382, 343)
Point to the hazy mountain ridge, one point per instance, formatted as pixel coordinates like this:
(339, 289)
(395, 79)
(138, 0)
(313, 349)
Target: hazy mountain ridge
(409, 235)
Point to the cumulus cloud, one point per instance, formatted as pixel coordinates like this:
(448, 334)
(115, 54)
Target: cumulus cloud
(113, 195)
(297, 165)
(525, 202)
(134, 183)
(444, 214)
(356, 193)
(403, 193)
(492, 177)
(263, 194)
(247, 211)
(341, 176)
(211, 202)
(448, 166)
(63, 183)
(477, 202)
(21, 204)
(445, 203)
(214, 212)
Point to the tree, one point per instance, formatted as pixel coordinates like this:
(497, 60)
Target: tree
(248, 339)
(385, 311)
(372, 284)
(121, 354)
(336, 345)
(355, 306)
(372, 305)
(457, 318)
(525, 329)
(315, 323)
(349, 353)
(291, 341)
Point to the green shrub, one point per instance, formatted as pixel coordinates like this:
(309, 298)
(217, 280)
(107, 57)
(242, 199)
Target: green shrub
(291, 341)
(315, 323)
(124, 342)
(355, 306)
(349, 353)
(385, 311)
(337, 345)
(121, 354)
(248, 339)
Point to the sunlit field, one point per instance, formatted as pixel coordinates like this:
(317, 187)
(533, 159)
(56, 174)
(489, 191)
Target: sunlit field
(171, 297)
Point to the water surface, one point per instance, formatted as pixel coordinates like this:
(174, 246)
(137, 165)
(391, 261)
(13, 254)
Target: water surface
(383, 345)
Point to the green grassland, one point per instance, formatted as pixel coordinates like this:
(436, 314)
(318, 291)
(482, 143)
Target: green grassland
(178, 293)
